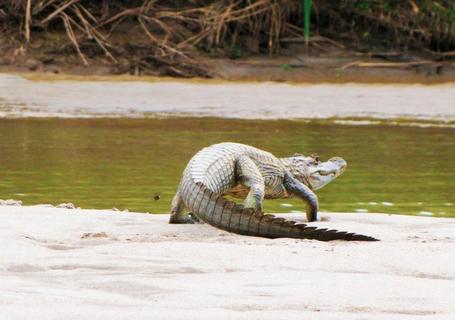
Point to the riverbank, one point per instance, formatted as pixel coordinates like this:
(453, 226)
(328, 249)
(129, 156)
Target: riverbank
(338, 68)
(176, 39)
(72, 97)
(77, 263)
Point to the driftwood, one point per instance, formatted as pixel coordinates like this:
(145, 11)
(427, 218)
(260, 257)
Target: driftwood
(365, 64)
(312, 39)
(28, 18)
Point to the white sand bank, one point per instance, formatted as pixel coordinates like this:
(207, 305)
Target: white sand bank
(89, 264)
(23, 98)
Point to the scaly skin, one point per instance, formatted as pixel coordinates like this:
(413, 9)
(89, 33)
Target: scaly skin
(244, 171)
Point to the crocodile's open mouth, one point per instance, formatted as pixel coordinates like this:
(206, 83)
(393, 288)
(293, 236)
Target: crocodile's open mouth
(331, 173)
(325, 172)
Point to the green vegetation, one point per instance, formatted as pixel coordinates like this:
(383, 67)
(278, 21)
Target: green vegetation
(387, 24)
(286, 67)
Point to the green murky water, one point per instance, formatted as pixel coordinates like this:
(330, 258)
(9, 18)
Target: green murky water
(124, 163)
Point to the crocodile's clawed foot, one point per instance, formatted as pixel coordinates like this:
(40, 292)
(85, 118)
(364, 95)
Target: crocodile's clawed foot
(190, 218)
(194, 218)
(179, 220)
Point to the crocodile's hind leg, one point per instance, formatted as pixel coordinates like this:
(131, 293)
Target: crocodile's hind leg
(249, 175)
(178, 215)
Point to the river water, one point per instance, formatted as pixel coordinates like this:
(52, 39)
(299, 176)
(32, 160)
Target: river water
(127, 163)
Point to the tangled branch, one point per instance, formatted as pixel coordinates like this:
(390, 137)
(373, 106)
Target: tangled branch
(174, 29)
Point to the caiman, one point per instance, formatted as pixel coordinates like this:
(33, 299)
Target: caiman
(240, 170)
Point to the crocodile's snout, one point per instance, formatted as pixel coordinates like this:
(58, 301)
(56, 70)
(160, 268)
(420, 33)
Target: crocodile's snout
(340, 162)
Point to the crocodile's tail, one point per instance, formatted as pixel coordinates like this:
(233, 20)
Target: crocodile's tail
(227, 215)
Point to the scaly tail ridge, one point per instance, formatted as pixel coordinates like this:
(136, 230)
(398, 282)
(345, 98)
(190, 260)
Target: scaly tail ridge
(227, 215)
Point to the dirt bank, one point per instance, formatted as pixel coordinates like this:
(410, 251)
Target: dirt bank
(295, 69)
(185, 39)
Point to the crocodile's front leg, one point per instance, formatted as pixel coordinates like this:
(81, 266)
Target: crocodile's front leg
(248, 174)
(300, 190)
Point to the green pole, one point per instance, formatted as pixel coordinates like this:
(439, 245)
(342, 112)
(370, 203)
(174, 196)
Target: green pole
(306, 21)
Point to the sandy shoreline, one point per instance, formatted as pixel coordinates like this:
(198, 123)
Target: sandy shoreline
(74, 264)
(24, 98)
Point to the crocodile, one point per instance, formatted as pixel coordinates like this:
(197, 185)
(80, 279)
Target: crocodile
(238, 170)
